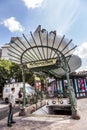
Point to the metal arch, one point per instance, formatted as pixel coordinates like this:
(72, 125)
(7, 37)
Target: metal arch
(23, 45)
(36, 45)
(59, 44)
(30, 46)
(56, 51)
(17, 49)
(33, 48)
(64, 61)
(34, 55)
(70, 50)
(66, 69)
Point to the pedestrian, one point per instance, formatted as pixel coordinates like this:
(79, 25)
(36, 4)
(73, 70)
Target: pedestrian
(10, 120)
(20, 96)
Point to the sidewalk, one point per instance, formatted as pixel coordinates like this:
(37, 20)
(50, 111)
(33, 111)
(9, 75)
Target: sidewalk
(2, 104)
(57, 122)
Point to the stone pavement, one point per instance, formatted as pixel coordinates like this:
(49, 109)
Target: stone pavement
(2, 104)
(57, 122)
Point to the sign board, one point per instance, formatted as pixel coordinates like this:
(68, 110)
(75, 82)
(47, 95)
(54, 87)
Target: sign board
(42, 63)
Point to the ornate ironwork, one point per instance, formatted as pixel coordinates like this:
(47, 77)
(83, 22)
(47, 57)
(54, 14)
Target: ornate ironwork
(43, 46)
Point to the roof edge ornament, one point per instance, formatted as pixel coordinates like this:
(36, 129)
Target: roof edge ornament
(38, 29)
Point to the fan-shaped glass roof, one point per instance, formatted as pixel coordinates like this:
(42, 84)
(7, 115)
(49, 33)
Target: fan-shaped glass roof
(43, 51)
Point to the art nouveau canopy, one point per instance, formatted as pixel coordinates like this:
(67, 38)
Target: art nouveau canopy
(44, 51)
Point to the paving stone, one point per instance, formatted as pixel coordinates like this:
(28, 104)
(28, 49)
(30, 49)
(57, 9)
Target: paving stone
(38, 122)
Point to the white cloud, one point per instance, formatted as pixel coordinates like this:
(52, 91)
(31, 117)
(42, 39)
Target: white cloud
(12, 24)
(32, 3)
(82, 50)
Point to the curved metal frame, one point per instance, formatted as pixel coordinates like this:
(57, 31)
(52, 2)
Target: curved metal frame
(66, 69)
(60, 55)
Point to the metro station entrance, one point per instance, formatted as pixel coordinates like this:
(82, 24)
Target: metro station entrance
(46, 53)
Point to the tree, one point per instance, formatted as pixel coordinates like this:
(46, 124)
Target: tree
(3, 77)
(16, 72)
(4, 73)
(4, 69)
(11, 71)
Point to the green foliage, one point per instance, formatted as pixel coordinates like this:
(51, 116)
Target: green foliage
(3, 75)
(42, 78)
(16, 72)
(6, 64)
(4, 70)
(9, 70)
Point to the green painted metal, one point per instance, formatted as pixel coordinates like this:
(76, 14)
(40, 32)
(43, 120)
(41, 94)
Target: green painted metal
(24, 93)
(64, 64)
(31, 53)
(70, 88)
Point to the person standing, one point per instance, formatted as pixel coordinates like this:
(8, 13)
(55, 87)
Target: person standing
(10, 120)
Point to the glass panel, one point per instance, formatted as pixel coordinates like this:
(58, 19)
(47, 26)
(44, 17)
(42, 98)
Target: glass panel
(71, 82)
(84, 94)
(66, 92)
(85, 85)
(76, 87)
(60, 85)
(43, 40)
(81, 95)
(77, 95)
(73, 63)
(81, 85)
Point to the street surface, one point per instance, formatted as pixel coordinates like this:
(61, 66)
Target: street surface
(4, 109)
(49, 122)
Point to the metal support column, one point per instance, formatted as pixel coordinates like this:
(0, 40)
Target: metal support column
(24, 93)
(71, 94)
(22, 110)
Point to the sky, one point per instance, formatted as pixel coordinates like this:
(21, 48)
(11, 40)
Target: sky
(67, 17)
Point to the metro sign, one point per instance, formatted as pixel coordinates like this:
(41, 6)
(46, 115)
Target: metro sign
(43, 63)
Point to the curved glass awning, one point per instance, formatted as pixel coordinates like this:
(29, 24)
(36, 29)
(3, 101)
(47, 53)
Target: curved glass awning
(43, 51)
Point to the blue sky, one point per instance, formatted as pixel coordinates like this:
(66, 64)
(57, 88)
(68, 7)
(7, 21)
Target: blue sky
(68, 17)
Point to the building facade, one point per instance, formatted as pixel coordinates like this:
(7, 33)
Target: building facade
(4, 54)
